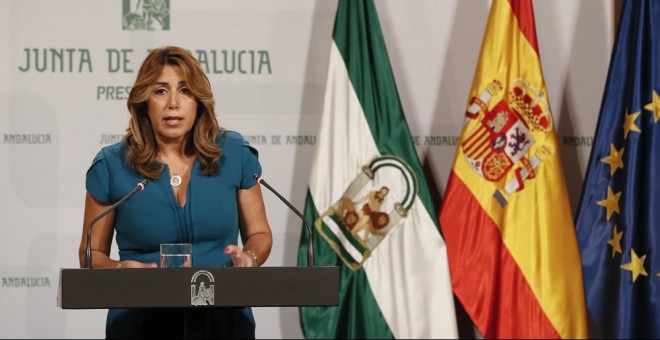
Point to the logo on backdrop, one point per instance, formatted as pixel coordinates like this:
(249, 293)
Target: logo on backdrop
(27, 138)
(25, 282)
(146, 15)
(356, 224)
(202, 289)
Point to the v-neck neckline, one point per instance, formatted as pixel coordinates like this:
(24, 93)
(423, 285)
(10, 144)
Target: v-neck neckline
(172, 194)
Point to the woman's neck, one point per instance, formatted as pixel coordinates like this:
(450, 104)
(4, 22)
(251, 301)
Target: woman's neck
(172, 150)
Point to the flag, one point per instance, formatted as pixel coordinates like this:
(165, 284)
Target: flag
(369, 201)
(618, 220)
(506, 217)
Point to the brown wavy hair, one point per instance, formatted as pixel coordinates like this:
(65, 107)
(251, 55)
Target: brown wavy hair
(140, 141)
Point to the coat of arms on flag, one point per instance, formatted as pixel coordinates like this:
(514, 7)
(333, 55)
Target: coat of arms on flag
(505, 133)
(373, 204)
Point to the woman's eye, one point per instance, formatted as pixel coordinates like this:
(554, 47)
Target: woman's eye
(185, 91)
(160, 91)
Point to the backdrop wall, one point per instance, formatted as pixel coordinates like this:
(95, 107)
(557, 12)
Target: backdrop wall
(66, 69)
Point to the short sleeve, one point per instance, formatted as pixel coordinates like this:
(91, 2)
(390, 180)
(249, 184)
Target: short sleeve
(250, 165)
(97, 182)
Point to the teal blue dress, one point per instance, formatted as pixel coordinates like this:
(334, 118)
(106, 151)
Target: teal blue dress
(209, 220)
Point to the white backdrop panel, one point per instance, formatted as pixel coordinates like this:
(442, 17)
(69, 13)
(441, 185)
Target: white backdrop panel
(65, 69)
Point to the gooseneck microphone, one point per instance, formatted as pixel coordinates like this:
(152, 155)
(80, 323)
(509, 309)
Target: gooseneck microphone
(88, 249)
(310, 231)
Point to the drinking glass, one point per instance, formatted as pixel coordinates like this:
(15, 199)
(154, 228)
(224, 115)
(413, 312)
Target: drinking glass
(176, 255)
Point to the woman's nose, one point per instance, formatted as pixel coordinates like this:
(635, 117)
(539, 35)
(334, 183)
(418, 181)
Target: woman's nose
(174, 101)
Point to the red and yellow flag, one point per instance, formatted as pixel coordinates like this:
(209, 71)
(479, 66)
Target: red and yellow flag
(506, 217)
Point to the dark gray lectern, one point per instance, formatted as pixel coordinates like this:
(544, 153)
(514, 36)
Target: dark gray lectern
(198, 289)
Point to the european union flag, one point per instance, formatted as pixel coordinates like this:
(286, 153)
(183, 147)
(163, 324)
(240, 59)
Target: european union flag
(618, 221)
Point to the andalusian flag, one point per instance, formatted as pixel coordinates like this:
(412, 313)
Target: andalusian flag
(506, 217)
(618, 222)
(369, 201)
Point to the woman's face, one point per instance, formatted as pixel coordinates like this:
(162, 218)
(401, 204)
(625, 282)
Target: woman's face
(171, 107)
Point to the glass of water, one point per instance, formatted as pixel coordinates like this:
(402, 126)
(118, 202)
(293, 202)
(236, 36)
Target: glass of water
(176, 255)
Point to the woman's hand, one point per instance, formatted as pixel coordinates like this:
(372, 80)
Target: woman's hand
(136, 264)
(239, 257)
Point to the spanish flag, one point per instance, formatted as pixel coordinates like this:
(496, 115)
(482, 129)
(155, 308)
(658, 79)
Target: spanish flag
(506, 218)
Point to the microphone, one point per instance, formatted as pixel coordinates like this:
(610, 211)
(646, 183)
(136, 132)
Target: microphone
(310, 231)
(88, 249)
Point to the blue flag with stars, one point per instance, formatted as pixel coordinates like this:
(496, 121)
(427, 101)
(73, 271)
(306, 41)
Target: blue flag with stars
(618, 221)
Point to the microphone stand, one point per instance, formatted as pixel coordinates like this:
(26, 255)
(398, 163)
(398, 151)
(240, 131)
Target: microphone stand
(88, 247)
(310, 231)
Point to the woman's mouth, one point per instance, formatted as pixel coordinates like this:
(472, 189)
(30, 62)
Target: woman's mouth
(173, 120)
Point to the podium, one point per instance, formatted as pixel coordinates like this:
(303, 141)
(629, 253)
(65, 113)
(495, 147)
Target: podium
(198, 289)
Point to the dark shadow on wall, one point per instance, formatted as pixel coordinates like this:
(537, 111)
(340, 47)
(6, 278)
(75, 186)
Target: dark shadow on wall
(309, 119)
(460, 63)
(394, 43)
(589, 63)
(398, 63)
(462, 55)
(466, 36)
(582, 92)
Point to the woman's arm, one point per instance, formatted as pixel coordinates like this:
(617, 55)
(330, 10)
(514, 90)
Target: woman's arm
(101, 234)
(255, 231)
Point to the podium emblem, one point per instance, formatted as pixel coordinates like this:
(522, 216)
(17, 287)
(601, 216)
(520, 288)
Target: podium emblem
(202, 289)
(373, 205)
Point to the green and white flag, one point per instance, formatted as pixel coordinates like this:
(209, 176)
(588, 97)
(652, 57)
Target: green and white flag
(369, 202)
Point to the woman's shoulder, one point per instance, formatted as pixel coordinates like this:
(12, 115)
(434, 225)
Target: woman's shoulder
(114, 150)
(230, 137)
(111, 153)
(233, 141)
